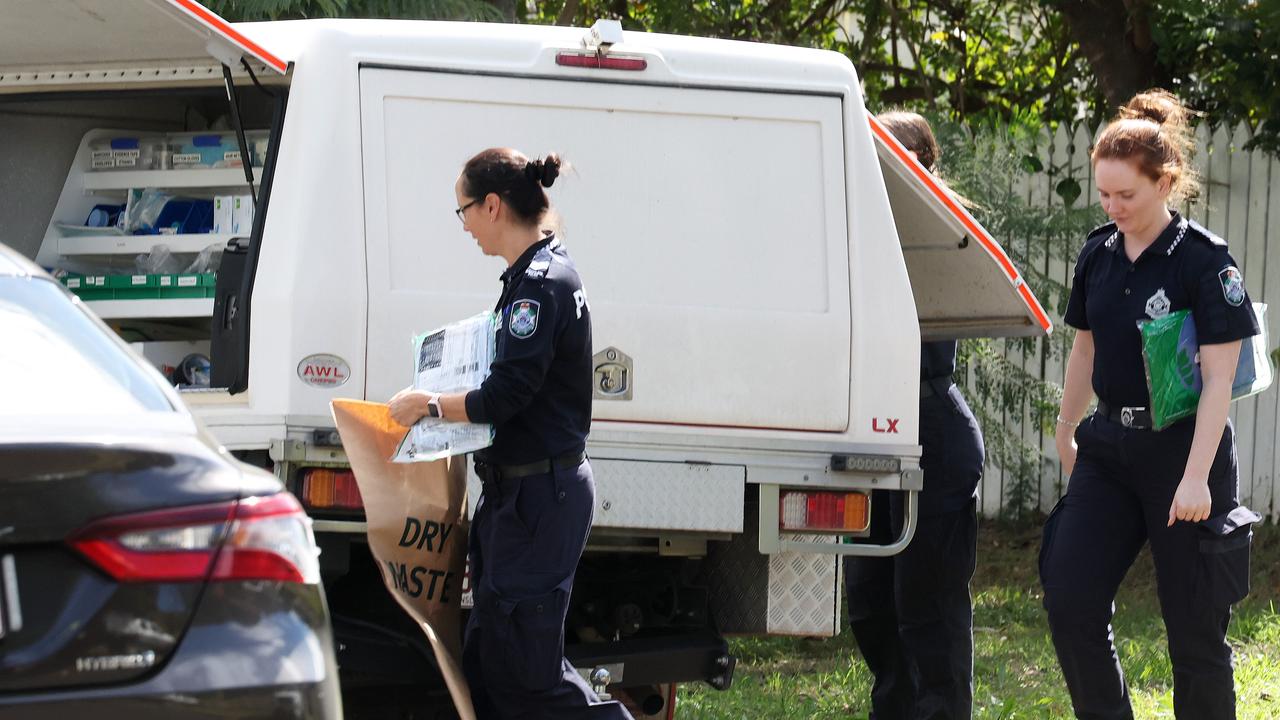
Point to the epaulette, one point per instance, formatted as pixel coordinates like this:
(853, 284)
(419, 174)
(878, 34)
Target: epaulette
(1205, 234)
(539, 265)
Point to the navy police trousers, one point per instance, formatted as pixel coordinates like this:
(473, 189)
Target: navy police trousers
(1118, 499)
(911, 614)
(526, 539)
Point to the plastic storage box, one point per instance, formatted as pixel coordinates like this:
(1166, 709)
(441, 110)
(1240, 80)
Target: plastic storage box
(129, 152)
(204, 150)
(185, 217)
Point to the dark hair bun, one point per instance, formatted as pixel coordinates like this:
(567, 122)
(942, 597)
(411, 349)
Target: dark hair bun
(543, 172)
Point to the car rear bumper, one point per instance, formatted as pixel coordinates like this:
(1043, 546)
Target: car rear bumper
(254, 649)
(285, 701)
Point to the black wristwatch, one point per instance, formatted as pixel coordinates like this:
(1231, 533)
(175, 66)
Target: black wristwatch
(433, 407)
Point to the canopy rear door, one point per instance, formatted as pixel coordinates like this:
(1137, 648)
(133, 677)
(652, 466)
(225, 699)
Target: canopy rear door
(964, 283)
(46, 44)
(721, 309)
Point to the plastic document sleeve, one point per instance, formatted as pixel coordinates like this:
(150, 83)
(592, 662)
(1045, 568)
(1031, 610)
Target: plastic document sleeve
(454, 358)
(1171, 354)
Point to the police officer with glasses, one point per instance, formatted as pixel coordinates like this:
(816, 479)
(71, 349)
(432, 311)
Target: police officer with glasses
(531, 523)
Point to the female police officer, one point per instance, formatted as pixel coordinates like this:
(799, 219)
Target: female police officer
(911, 614)
(531, 523)
(1176, 488)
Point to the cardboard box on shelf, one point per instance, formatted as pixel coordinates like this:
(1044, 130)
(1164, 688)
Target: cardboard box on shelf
(242, 215)
(223, 217)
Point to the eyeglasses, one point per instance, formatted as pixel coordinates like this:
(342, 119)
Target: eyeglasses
(463, 209)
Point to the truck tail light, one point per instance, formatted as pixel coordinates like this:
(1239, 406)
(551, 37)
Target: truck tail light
(824, 511)
(601, 62)
(324, 489)
(256, 538)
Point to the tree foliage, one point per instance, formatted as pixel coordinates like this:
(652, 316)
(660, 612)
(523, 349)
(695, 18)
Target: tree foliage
(812, 24)
(1224, 55)
(1046, 61)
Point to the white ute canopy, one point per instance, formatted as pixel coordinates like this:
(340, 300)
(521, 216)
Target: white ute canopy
(48, 45)
(964, 283)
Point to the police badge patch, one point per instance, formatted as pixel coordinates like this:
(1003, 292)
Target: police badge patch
(524, 318)
(1232, 285)
(1158, 305)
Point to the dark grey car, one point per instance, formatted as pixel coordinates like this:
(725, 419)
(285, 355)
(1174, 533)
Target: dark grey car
(144, 573)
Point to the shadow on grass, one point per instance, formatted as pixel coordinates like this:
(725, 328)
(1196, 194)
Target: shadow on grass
(1016, 672)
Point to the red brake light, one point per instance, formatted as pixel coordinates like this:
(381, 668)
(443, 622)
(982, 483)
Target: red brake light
(257, 538)
(331, 489)
(603, 62)
(823, 511)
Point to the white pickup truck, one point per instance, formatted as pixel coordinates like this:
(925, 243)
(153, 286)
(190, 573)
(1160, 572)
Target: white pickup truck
(762, 261)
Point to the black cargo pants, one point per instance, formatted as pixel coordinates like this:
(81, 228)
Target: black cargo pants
(1118, 499)
(527, 536)
(912, 614)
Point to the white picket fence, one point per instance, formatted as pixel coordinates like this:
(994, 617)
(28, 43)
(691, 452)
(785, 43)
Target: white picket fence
(1240, 201)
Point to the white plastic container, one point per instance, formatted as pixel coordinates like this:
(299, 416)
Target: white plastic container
(129, 152)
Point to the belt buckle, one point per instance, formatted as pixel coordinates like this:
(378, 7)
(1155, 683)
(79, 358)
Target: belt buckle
(1126, 416)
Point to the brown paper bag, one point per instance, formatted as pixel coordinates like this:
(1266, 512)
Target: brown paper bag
(417, 515)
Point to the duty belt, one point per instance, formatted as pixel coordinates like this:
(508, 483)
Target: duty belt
(491, 472)
(1138, 418)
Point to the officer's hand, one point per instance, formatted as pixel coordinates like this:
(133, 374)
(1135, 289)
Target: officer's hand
(1066, 442)
(408, 406)
(1191, 502)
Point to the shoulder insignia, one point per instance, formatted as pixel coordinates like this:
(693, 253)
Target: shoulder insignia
(1199, 231)
(539, 265)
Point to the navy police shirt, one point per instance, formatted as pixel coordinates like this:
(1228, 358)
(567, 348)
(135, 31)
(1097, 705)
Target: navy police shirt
(1187, 267)
(538, 393)
(937, 360)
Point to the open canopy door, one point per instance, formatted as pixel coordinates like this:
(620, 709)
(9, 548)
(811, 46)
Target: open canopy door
(72, 42)
(964, 283)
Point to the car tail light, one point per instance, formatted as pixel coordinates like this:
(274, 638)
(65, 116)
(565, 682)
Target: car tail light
(331, 489)
(601, 62)
(256, 538)
(823, 511)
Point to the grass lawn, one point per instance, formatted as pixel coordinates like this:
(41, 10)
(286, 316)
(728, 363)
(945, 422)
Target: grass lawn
(1016, 673)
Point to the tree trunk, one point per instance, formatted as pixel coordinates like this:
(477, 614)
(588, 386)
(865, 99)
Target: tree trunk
(569, 12)
(1115, 37)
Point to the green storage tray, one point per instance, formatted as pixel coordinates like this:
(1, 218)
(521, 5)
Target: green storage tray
(182, 286)
(134, 287)
(88, 287)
